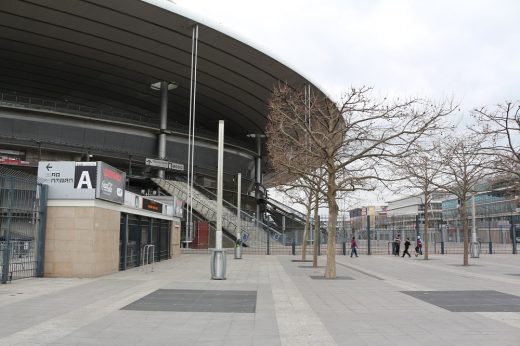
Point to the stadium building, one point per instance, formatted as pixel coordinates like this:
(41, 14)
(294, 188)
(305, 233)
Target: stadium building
(138, 86)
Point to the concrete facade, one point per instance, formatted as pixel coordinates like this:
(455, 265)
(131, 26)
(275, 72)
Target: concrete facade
(81, 241)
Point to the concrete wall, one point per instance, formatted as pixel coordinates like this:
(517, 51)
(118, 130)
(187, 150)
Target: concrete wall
(81, 241)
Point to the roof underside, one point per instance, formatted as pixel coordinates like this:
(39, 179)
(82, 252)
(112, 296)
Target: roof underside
(106, 54)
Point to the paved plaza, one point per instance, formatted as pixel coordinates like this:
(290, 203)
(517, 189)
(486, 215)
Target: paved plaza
(273, 300)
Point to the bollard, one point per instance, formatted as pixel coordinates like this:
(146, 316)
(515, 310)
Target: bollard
(490, 248)
(293, 247)
(344, 248)
(442, 248)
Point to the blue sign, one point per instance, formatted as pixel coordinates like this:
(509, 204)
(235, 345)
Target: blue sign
(245, 236)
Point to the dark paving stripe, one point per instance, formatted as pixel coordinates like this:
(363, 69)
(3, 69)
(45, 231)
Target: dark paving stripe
(360, 271)
(311, 267)
(196, 301)
(301, 261)
(469, 301)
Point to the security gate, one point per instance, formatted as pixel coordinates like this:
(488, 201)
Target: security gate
(136, 233)
(23, 205)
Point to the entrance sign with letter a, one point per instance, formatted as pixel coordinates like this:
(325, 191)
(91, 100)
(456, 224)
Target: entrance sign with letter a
(82, 180)
(69, 179)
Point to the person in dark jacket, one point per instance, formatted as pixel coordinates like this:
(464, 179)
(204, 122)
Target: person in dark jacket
(353, 247)
(406, 246)
(397, 244)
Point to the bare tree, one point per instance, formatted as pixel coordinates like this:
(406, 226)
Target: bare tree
(307, 131)
(464, 167)
(308, 193)
(501, 128)
(422, 169)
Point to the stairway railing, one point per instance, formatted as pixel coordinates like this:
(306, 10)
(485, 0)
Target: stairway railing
(207, 207)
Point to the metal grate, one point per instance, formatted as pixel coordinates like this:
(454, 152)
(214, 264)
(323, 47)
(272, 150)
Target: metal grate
(469, 301)
(196, 301)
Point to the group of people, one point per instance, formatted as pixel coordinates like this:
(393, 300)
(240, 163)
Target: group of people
(397, 246)
(407, 244)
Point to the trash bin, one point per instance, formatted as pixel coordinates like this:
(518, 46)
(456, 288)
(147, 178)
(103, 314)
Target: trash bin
(238, 249)
(475, 249)
(218, 264)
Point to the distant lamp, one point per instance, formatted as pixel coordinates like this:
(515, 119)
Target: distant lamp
(157, 85)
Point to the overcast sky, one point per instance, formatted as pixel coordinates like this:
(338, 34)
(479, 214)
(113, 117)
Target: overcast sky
(466, 49)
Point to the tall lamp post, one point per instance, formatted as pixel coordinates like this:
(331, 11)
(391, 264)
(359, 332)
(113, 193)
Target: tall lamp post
(475, 250)
(218, 255)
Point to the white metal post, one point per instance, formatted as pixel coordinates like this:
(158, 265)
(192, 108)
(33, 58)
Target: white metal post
(474, 245)
(220, 170)
(239, 195)
(238, 245)
(218, 258)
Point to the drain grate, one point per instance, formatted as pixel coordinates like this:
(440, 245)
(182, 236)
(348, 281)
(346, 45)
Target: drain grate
(196, 301)
(469, 301)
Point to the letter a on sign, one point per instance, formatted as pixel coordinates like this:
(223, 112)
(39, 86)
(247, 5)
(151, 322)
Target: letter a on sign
(84, 181)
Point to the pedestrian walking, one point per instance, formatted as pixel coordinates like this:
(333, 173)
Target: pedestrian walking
(397, 245)
(419, 245)
(406, 246)
(353, 247)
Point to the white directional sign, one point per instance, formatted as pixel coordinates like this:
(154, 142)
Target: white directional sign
(69, 180)
(164, 164)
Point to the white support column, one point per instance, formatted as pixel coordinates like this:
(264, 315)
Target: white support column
(238, 245)
(220, 171)
(218, 256)
(474, 244)
(239, 197)
(162, 127)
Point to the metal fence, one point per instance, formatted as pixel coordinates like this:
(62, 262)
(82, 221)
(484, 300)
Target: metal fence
(22, 226)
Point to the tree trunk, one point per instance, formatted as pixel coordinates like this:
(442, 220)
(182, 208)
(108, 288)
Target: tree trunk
(426, 224)
(330, 272)
(316, 231)
(464, 214)
(305, 231)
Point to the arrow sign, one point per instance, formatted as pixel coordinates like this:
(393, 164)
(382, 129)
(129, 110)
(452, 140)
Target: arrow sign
(164, 164)
(48, 166)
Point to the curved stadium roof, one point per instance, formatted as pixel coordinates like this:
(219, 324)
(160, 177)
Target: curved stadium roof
(106, 54)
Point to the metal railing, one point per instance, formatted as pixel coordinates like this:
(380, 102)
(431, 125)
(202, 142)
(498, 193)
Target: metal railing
(146, 257)
(257, 232)
(15, 100)
(288, 209)
(56, 106)
(22, 226)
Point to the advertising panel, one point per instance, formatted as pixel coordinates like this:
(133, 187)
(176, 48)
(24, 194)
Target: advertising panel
(111, 186)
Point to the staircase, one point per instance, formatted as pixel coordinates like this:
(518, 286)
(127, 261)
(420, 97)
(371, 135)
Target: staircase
(256, 231)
